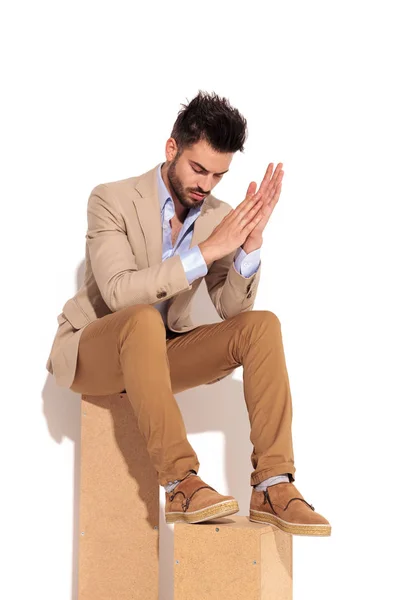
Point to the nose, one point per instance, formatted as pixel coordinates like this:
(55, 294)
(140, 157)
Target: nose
(205, 184)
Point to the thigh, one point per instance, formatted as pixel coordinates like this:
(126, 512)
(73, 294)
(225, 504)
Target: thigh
(98, 369)
(204, 354)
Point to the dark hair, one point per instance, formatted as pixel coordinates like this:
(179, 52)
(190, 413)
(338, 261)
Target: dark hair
(211, 118)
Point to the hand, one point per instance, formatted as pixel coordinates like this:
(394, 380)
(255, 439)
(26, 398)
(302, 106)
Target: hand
(234, 228)
(269, 190)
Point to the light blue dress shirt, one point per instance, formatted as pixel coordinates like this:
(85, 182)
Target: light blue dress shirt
(192, 259)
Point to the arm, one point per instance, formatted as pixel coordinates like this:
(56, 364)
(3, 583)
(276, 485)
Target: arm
(226, 286)
(230, 292)
(120, 282)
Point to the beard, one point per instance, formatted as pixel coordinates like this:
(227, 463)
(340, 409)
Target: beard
(178, 189)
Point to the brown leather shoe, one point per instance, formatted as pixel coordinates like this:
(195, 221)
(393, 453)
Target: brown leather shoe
(193, 501)
(282, 505)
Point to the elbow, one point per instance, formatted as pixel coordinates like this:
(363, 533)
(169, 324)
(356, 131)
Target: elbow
(111, 296)
(111, 302)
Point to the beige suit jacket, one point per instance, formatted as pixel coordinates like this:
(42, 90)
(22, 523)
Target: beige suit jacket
(124, 267)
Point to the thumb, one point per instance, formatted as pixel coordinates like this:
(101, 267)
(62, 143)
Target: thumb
(251, 189)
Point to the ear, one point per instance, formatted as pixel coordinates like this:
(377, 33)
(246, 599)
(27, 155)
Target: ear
(171, 149)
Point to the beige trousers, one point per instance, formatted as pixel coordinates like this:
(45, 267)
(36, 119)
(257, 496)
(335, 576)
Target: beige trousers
(130, 350)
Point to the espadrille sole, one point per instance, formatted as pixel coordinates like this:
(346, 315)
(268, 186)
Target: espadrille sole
(295, 528)
(222, 509)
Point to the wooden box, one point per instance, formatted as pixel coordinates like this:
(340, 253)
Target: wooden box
(232, 558)
(119, 505)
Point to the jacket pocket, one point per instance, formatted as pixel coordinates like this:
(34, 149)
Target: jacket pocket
(74, 314)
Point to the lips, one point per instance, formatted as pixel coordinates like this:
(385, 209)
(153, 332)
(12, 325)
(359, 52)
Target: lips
(197, 196)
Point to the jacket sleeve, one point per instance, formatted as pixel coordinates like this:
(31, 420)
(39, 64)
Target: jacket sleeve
(230, 292)
(114, 267)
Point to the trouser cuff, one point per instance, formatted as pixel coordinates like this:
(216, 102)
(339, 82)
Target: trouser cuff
(168, 476)
(281, 469)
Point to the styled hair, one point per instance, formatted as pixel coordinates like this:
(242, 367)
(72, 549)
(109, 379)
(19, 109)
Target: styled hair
(211, 118)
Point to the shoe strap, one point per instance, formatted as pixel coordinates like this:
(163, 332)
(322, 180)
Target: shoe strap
(267, 497)
(302, 499)
(187, 499)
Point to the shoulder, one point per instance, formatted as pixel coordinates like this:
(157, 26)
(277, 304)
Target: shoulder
(118, 188)
(117, 195)
(127, 189)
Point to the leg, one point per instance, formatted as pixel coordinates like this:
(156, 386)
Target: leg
(126, 350)
(252, 339)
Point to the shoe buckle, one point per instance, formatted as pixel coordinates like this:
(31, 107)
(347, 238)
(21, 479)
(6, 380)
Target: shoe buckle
(266, 497)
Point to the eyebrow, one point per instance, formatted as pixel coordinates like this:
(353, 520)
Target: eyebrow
(204, 169)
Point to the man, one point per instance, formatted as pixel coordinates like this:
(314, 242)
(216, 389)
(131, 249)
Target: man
(150, 242)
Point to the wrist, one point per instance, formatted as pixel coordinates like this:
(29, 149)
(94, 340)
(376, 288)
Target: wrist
(251, 245)
(206, 252)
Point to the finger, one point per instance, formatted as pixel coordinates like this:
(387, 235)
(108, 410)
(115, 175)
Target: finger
(246, 206)
(275, 197)
(250, 192)
(251, 189)
(266, 178)
(272, 182)
(249, 198)
(248, 215)
(276, 174)
(253, 223)
(269, 194)
(279, 178)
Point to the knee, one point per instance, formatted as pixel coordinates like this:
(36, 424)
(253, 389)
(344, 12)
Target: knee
(142, 315)
(258, 319)
(256, 328)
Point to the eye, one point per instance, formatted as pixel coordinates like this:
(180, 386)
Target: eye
(202, 172)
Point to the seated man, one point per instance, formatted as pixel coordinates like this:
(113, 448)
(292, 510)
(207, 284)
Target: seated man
(151, 239)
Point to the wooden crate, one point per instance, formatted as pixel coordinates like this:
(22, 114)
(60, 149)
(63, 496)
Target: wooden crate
(232, 558)
(119, 505)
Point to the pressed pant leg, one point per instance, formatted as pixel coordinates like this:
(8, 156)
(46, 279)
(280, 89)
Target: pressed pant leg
(126, 350)
(252, 339)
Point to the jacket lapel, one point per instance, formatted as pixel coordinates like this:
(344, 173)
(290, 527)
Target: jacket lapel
(148, 211)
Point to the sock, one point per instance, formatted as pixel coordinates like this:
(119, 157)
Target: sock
(172, 484)
(260, 487)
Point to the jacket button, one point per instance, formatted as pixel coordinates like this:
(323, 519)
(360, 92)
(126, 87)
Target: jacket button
(161, 294)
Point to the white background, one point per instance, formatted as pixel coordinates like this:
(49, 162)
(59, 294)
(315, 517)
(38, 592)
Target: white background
(90, 93)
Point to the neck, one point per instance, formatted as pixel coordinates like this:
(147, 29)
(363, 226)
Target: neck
(180, 211)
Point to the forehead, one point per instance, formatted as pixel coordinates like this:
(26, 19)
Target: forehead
(208, 158)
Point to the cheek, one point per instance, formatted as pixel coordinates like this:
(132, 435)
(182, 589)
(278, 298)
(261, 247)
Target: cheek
(186, 180)
(190, 183)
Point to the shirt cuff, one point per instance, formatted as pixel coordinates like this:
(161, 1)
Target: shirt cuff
(247, 267)
(193, 263)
